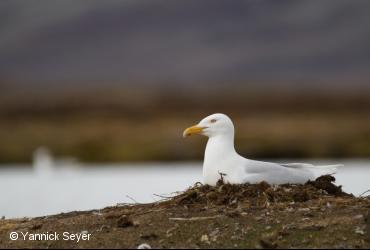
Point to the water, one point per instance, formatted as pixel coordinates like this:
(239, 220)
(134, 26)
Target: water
(27, 191)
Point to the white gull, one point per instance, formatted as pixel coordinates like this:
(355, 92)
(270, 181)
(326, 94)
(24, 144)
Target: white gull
(220, 158)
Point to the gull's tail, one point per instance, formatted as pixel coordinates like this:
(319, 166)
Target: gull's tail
(325, 170)
(316, 170)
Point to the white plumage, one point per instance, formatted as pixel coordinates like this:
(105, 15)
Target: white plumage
(221, 158)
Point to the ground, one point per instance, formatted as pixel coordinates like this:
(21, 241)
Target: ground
(315, 215)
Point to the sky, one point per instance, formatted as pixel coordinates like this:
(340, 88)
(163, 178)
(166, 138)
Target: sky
(186, 42)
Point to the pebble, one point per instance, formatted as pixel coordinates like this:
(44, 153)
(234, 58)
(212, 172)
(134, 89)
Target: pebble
(103, 227)
(289, 209)
(205, 239)
(358, 217)
(258, 218)
(305, 209)
(214, 233)
(124, 221)
(144, 246)
(359, 231)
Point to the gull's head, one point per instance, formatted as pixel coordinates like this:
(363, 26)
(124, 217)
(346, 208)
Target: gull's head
(213, 125)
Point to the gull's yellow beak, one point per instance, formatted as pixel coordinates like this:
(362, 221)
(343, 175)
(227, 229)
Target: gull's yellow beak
(192, 130)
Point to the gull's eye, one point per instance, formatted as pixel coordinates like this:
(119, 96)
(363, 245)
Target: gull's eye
(213, 120)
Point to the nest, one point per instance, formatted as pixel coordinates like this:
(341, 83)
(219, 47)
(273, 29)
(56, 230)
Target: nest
(259, 194)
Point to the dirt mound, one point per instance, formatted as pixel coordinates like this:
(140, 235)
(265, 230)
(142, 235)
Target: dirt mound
(221, 217)
(259, 194)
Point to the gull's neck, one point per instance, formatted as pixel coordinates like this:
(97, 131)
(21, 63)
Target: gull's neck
(219, 147)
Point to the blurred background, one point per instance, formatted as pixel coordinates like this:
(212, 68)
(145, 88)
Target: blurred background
(112, 81)
(118, 81)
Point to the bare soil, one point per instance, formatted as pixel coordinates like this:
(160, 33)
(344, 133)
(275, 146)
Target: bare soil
(317, 214)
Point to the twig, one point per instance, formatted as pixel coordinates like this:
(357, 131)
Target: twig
(195, 218)
(132, 199)
(222, 176)
(364, 193)
(163, 197)
(124, 204)
(198, 184)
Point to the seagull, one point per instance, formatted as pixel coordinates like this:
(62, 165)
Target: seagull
(222, 161)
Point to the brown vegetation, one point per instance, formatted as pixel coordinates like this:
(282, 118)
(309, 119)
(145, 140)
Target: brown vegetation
(146, 125)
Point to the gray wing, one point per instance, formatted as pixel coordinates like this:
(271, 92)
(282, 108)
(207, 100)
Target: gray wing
(275, 173)
(297, 165)
(261, 166)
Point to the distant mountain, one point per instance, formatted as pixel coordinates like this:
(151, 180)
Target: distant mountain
(184, 42)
